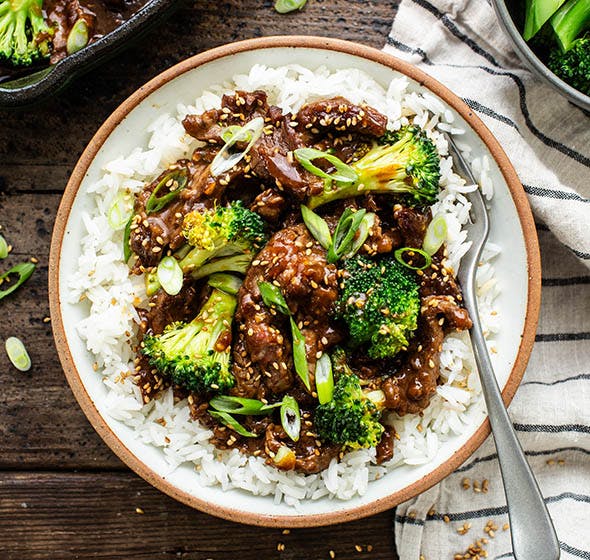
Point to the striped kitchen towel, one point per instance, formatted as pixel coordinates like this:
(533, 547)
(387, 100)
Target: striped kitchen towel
(460, 43)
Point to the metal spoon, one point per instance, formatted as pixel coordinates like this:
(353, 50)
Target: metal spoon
(533, 534)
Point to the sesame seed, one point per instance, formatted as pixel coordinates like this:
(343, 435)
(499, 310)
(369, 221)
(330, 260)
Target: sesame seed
(139, 510)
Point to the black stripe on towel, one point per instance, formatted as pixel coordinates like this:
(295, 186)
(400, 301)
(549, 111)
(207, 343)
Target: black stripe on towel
(558, 381)
(562, 337)
(574, 551)
(554, 193)
(552, 428)
(572, 281)
(490, 113)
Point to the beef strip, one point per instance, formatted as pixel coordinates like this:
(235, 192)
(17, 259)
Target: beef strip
(270, 204)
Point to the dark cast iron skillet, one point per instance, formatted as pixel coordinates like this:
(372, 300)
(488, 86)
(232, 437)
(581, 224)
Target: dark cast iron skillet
(39, 86)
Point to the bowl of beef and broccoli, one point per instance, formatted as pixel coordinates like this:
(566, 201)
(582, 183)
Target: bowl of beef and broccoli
(552, 37)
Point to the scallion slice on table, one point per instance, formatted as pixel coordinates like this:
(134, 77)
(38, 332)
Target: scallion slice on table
(225, 160)
(436, 234)
(240, 405)
(324, 379)
(412, 252)
(291, 417)
(286, 6)
(22, 270)
(343, 173)
(120, 212)
(170, 275)
(174, 181)
(3, 248)
(17, 353)
(229, 421)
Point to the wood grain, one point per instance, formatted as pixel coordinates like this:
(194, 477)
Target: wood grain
(63, 494)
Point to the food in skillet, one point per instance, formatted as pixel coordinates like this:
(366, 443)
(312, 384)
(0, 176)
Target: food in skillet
(34, 33)
(298, 288)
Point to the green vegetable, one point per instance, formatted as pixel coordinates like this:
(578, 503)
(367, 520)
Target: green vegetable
(24, 34)
(229, 283)
(22, 270)
(126, 238)
(235, 263)
(286, 6)
(120, 211)
(351, 417)
(412, 252)
(537, 12)
(237, 132)
(291, 417)
(379, 304)
(17, 354)
(78, 36)
(344, 234)
(324, 379)
(436, 234)
(317, 226)
(343, 173)
(224, 159)
(170, 275)
(272, 297)
(404, 163)
(573, 66)
(197, 355)
(232, 423)
(3, 248)
(239, 405)
(173, 182)
(570, 21)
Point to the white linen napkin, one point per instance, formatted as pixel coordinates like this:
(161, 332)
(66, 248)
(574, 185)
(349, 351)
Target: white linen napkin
(460, 43)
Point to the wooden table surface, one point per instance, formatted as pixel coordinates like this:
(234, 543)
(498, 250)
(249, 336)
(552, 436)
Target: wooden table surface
(63, 493)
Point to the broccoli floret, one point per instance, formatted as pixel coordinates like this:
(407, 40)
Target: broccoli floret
(351, 418)
(404, 162)
(573, 66)
(196, 355)
(221, 232)
(380, 304)
(24, 35)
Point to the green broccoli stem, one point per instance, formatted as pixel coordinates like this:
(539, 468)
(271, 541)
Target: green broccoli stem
(570, 21)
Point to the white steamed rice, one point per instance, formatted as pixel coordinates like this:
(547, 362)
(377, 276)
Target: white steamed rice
(104, 281)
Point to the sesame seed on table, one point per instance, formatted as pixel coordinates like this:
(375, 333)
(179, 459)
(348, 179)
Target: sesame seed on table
(63, 493)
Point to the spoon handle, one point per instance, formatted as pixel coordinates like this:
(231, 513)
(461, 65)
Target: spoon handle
(533, 534)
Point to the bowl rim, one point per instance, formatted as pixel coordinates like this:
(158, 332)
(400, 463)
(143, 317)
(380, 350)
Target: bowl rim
(320, 43)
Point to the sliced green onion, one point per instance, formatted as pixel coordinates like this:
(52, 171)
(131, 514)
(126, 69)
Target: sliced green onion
(343, 172)
(377, 397)
(364, 231)
(17, 353)
(291, 417)
(23, 271)
(324, 379)
(120, 212)
(174, 181)
(436, 234)
(399, 257)
(317, 226)
(232, 423)
(344, 234)
(152, 284)
(3, 248)
(299, 354)
(126, 238)
(224, 160)
(77, 37)
(239, 405)
(227, 283)
(170, 275)
(242, 135)
(272, 296)
(286, 6)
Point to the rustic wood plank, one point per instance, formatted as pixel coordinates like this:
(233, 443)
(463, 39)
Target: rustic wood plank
(64, 516)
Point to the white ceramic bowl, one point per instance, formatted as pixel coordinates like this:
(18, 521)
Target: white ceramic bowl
(517, 269)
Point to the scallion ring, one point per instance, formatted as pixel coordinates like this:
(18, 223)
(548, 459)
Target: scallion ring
(300, 354)
(343, 173)
(224, 160)
(17, 353)
(324, 379)
(152, 284)
(170, 275)
(234, 130)
(3, 248)
(364, 230)
(345, 233)
(317, 226)
(231, 422)
(77, 37)
(291, 417)
(239, 405)
(436, 234)
(286, 6)
(126, 238)
(174, 181)
(412, 251)
(272, 296)
(23, 271)
(120, 211)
